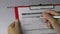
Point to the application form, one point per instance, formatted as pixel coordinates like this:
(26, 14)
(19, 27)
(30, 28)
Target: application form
(32, 21)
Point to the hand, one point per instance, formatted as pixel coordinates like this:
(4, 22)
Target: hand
(52, 21)
(15, 28)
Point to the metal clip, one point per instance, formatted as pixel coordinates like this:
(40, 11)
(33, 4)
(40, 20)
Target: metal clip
(41, 6)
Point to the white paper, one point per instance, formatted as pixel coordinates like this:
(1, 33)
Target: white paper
(32, 23)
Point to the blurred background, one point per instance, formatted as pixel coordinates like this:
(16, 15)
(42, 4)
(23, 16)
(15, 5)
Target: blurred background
(7, 14)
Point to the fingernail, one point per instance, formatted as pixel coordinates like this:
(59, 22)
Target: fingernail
(16, 20)
(41, 15)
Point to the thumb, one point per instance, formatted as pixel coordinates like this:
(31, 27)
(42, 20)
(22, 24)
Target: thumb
(17, 23)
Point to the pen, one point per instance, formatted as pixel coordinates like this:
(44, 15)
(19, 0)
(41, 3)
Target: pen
(57, 17)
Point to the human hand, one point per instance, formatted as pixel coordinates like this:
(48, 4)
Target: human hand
(15, 28)
(52, 21)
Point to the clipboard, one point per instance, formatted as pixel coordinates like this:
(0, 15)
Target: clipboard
(16, 9)
(17, 14)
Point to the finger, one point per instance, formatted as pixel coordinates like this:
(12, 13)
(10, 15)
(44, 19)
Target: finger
(45, 20)
(12, 25)
(48, 17)
(17, 23)
(49, 25)
(52, 12)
